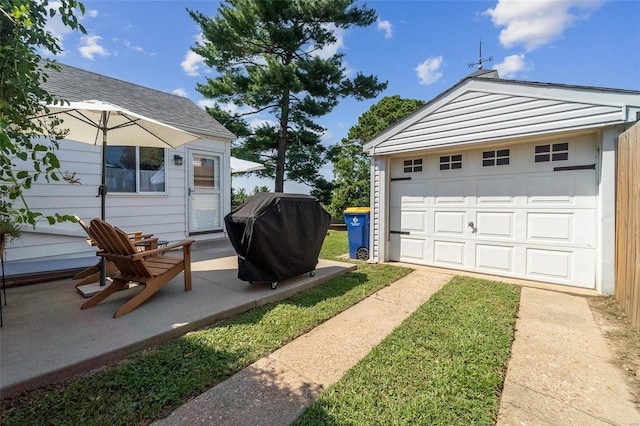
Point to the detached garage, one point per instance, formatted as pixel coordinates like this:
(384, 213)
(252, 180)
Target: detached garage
(506, 178)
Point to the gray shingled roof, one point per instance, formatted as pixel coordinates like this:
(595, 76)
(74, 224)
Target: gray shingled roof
(75, 84)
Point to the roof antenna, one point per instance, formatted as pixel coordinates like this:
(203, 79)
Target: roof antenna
(481, 61)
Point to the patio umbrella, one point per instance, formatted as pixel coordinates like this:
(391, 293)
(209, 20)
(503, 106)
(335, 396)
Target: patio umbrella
(97, 122)
(240, 166)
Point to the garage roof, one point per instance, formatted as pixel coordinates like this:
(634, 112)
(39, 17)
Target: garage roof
(482, 107)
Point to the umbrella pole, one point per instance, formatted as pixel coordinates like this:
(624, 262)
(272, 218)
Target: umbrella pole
(103, 193)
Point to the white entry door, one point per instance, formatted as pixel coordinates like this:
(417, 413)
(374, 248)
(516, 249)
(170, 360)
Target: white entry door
(204, 193)
(525, 211)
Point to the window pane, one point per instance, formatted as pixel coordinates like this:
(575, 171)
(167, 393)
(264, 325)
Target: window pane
(203, 172)
(444, 166)
(407, 162)
(444, 159)
(407, 169)
(417, 162)
(152, 175)
(542, 158)
(542, 148)
(121, 169)
(560, 156)
(456, 157)
(561, 146)
(502, 161)
(456, 165)
(503, 153)
(417, 169)
(487, 163)
(488, 154)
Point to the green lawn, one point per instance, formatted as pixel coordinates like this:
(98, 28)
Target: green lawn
(444, 365)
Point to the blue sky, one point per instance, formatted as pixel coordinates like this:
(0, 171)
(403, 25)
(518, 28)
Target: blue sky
(420, 47)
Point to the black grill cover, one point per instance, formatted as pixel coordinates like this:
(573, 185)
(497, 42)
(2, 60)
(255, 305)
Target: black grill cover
(277, 235)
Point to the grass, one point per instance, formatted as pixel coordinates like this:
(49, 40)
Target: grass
(444, 365)
(150, 385)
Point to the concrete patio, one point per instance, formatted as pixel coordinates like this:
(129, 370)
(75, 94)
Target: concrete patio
(46, 337)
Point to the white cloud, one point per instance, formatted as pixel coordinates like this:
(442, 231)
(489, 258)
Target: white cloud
(512, 65)
(429, 71)
(331, 49)
(180, 92)
(90, 47)
(203, 103)
(259, 122)
(192, 63)
(92, 13)
(385, 26)
(536, 23)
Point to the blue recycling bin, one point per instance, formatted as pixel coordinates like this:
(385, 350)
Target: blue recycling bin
(357, 221)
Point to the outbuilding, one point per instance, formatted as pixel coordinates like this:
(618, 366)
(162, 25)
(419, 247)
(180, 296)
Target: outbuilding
(504, 177)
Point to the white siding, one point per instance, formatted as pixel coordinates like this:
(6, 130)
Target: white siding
(163, 215)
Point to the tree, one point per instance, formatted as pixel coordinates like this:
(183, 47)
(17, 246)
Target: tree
(351, 165)
(23, 36)
(267, 56)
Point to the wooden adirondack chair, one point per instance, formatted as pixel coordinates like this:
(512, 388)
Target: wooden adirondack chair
(92, 273)
(150, 267)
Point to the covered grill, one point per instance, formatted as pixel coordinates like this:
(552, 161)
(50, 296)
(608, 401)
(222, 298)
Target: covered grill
(277, 236)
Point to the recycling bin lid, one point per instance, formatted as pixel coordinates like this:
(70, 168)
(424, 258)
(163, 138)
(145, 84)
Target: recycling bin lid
(357, 210)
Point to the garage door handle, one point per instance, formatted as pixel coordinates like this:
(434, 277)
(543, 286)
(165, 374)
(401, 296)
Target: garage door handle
(473, 228)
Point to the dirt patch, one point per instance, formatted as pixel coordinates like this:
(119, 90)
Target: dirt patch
(622, 337)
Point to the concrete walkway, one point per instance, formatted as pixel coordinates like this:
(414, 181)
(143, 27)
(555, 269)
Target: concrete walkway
(276, 389)
(561, 371)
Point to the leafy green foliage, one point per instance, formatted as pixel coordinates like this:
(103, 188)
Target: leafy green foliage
(25, 159)
(267, 57)
(444, 365)
(351, 165)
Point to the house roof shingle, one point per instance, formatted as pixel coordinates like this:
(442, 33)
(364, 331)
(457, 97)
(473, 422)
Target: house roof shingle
(75, 84)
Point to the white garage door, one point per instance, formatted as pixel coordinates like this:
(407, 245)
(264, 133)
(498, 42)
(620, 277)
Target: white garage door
(525, 211)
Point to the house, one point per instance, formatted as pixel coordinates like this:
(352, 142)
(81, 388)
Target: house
(171, 193)
(504, 177)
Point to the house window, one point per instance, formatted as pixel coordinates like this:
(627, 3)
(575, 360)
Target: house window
(135, 169)
(552, 152)
(495, 158)
(413, 166)
(451, 162)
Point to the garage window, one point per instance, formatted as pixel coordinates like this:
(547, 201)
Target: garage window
(413, 166)
(495, 158)
(552, 152)
(451, 162)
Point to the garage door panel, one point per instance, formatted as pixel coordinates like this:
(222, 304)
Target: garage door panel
(545, 263)
(557, 227)
(495, 224)
(452, 223)
(413, 221)
(412, 249)
(449, 253)
(450, 192)
(550, 190)
(494, 258)
(406, 193)
(496, 191)
(562, 188)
